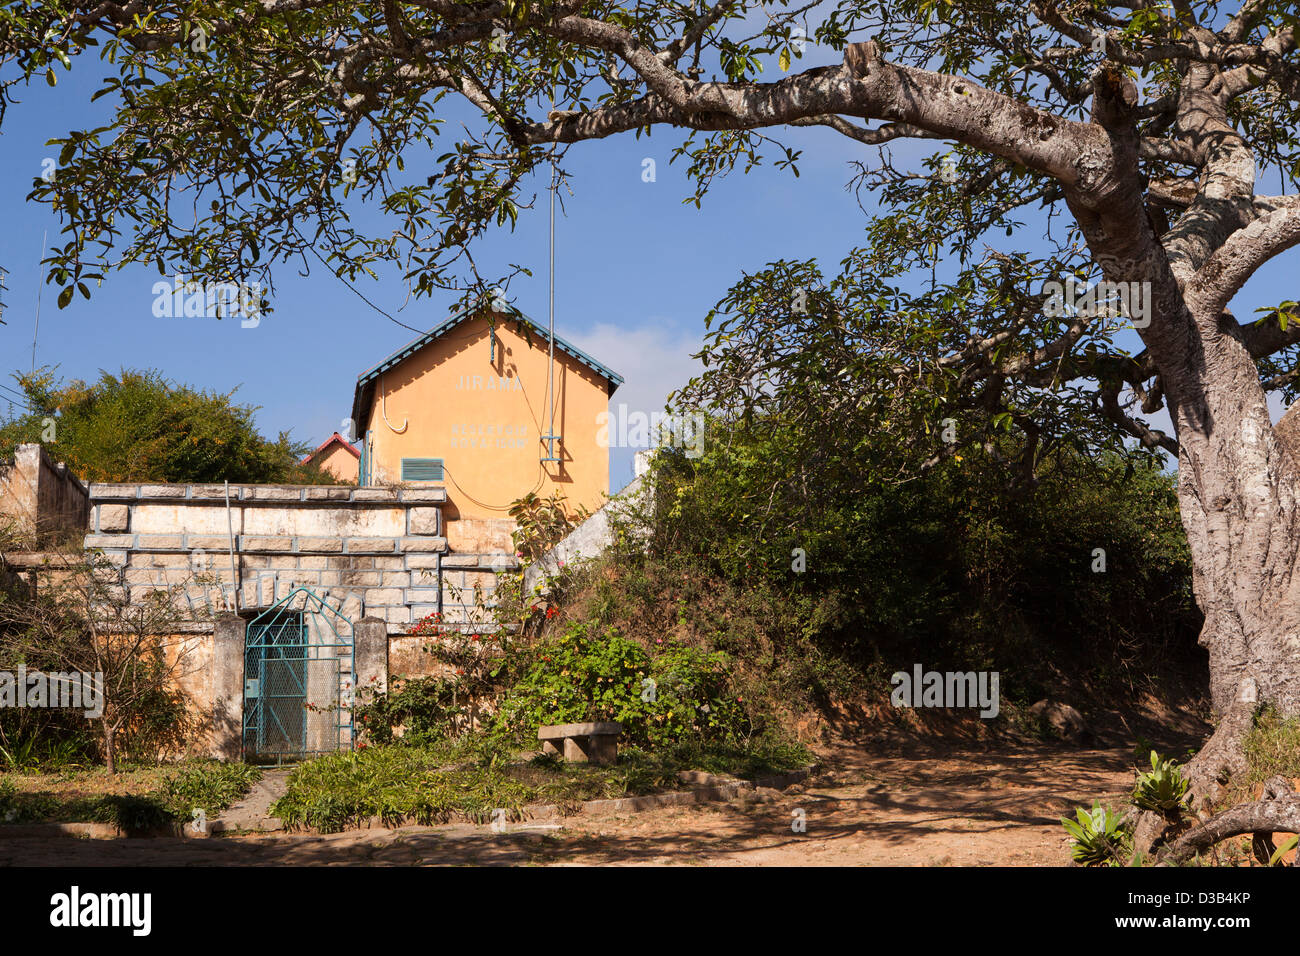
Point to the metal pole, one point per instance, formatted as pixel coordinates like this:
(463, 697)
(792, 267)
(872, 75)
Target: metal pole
(230, 529)
(550, 387)
(44, 238)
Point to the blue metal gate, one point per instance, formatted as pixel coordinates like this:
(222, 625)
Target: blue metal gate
(298, 680)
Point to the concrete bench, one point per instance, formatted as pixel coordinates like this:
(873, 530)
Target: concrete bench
(595, 742)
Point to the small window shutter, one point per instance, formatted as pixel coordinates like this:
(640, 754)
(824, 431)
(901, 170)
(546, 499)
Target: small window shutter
(422, 469)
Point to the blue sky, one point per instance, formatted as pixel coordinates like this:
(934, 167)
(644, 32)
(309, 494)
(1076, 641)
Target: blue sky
(637, 270)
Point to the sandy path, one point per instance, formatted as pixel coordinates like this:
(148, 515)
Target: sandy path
(960, 809)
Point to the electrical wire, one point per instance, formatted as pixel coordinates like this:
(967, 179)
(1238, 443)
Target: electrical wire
(541, 479)
(383, 410)
(355, 291)
(15, 392)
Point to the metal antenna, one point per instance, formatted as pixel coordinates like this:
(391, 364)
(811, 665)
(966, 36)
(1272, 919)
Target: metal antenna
(550, 372)
(39, 284)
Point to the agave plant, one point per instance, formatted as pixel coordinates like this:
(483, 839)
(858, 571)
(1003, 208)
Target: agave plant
(1099, 836)
(1162, 789)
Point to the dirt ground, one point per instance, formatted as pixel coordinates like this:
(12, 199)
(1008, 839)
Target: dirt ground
(961, 808)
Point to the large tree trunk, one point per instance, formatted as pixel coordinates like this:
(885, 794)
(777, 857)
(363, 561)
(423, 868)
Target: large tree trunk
(1237, 495)
(1237, 475)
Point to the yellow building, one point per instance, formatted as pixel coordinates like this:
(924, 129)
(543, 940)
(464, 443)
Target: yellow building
(336, 456)
(464, 407)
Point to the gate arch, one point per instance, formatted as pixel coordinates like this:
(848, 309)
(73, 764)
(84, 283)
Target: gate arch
(299, 680)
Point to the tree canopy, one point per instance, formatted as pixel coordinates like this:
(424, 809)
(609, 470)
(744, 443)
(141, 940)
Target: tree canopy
(138, 426)
(263, 118)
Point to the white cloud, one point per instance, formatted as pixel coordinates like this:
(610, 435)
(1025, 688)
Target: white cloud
(654, 360)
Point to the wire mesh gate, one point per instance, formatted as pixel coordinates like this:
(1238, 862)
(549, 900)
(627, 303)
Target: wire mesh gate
(299, 681)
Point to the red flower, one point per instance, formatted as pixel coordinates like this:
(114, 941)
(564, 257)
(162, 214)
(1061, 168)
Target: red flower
(551, 612)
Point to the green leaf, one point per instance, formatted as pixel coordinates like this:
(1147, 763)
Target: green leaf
(50, 78)
(1283, 850)
(65, 297)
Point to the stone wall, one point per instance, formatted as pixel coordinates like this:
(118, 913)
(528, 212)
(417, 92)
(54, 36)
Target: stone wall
(381, 558)
(382, 552)
(43, 502)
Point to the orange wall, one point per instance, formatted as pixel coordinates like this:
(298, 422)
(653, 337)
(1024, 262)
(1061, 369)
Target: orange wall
(339, 462)
(486, 420)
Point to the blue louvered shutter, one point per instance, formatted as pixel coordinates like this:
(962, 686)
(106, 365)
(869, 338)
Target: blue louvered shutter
(422, 469)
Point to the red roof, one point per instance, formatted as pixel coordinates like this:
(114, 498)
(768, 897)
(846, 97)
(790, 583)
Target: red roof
(336, 437)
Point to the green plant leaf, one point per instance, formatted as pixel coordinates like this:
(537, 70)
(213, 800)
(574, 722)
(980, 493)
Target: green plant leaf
(1283, 850)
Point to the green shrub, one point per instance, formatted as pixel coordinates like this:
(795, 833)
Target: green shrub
(541, 523)
(473, 777)
(1163, 789)
(209, 786)
(1100, 839)
(200, 785)
(428, 709)
(139, 426)
(135, 814)
(808, 575)
(585, 675)
(161, 721)
(424, 708)
(63, 747)
(396, 784)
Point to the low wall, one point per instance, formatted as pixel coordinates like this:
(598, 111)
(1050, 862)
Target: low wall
(382, 558)
(41, 500)
(382, 552)
(593, 536)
